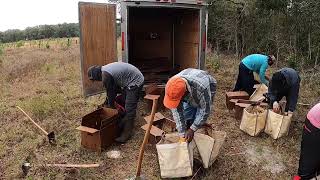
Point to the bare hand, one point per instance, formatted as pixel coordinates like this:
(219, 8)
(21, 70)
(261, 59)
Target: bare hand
(189, 135)
(276, 107)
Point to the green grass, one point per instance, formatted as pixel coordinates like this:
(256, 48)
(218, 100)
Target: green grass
(49, 68)
(213, 62)
(43, 106)
(20, 44)
(1, 49)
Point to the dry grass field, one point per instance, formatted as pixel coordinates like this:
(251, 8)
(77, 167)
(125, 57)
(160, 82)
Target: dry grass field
(45, 82)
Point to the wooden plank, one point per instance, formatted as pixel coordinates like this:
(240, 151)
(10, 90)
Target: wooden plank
(234, 100)
(158, 116)
(244, 105)
(151, 97)
(170, 122)
(74, 165)
(97, 39)
(236, 94)
(240, 104)
(154, 130)
(87, 129)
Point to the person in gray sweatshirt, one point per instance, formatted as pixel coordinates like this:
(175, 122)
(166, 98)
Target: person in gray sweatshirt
(284, 83)
(124, 78)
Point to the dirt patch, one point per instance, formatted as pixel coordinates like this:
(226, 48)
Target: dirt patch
(265, 157)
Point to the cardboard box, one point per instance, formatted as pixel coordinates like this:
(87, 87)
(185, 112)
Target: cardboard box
(154, 89)
(99, 129)
(235, 95)
(155, 134)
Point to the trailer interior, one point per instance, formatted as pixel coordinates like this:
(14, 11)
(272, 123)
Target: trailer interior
(163, 41)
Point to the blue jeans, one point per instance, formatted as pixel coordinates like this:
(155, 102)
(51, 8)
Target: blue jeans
(189, 114)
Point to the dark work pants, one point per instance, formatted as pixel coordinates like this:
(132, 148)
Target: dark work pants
(245, 81)
(309, 164)
(131, 95)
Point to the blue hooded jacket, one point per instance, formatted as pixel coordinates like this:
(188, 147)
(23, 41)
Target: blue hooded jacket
(257, 63)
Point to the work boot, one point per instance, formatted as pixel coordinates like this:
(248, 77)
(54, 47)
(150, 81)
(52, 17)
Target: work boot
(120, 126)
(126, 132)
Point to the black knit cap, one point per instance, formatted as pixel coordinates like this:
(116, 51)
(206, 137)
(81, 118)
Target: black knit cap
(94, 73)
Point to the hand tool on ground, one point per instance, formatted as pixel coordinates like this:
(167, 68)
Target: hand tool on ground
(154, 99)
(73, 165)
(50, 135)
(25, 168)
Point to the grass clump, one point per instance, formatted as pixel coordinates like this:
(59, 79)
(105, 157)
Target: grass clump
(292, 61)
(1, 54)
(20, 44)
(48, 68)
(47, 45)
(1, 49)
(213, 62)
(42, 107)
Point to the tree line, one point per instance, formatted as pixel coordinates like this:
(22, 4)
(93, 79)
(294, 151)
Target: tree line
(43, 32)
(289, 29)
(40, 32)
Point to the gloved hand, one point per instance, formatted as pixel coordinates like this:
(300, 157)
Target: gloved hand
(104, 105)
(189, 135)
(296, 177)
(289, 113)
(276, 107)
(267, 97)
(182, 139)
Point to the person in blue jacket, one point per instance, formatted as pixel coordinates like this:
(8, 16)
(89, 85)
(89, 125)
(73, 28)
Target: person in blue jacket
(253, 63)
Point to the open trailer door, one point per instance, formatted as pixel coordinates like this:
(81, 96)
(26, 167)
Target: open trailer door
(98, 43)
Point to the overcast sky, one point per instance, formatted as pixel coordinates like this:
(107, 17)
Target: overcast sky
(19, 14)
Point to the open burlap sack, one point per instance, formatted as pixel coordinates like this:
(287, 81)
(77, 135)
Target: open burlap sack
(277, 125)
(253, 120)
(175, 158)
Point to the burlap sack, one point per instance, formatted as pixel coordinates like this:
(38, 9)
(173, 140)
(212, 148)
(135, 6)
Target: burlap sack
(316, 178)
(277, 125)
(253, 123)
(175, 158)
(258, 93)
(209, 144)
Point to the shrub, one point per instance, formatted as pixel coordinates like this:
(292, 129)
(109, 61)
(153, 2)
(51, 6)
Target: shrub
(47, 45)
(213, 62)
(292, 61)
(20, 44)
(69, 42)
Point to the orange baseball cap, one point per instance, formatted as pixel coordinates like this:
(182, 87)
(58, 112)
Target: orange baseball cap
(175, 90)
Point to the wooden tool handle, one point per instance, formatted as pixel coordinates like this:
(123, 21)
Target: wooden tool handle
(146, 136)
(74, 165)
(45, 132)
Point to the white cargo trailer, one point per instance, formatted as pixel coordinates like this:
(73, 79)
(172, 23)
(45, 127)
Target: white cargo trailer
(160, 37)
